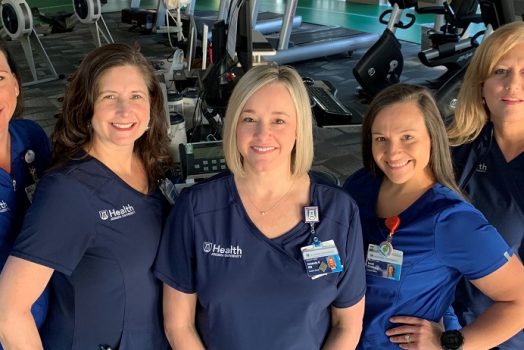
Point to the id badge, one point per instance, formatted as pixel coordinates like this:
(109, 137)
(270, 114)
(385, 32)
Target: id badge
(385, 266)
(322, 259)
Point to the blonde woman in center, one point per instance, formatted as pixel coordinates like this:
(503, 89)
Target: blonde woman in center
(244, 257)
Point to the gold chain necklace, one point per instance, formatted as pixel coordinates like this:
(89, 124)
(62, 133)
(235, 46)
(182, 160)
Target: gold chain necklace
(264, 212)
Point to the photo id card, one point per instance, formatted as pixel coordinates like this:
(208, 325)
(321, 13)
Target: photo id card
(322, 259)
(385, 266)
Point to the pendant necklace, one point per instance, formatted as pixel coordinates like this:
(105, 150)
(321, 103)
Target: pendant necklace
(264, 212)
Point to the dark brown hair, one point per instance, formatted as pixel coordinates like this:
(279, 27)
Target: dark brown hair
(73, 132)
(12, 66)
(440, 162)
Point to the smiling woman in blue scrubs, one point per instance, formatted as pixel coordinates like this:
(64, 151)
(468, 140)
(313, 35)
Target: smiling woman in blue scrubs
(414, 218)
(95, 223)
(488, 131)
(24, 155)
(264, 257)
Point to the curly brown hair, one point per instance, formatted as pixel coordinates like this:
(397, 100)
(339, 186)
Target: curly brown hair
(73, 134)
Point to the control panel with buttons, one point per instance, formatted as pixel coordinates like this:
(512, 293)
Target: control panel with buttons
(201, 160)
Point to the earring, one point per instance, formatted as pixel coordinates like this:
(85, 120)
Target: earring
(483, 101)
(89, 124)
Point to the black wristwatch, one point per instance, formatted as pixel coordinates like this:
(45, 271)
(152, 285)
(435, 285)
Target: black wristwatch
(451, 340)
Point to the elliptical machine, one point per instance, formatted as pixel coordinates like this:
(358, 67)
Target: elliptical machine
(381, 66)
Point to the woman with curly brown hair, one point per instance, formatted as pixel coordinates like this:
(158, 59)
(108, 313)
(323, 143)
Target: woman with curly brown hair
(96, 219)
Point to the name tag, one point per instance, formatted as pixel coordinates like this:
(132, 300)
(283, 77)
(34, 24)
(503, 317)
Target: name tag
(321, 259)
(385, 266)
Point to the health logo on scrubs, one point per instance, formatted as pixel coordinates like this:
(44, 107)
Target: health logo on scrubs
(3, 207)
(115, 214)
(207, 247)
(218, 251)
(482, 168)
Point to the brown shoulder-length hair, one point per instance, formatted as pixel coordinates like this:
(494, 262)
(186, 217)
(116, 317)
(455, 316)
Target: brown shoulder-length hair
(73, 132)
(440, 162)
(12, 66)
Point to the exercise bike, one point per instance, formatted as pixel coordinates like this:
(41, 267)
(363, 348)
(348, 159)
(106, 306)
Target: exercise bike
(451, 47)
(381, 66)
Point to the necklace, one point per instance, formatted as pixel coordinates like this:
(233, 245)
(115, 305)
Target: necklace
(264, 212)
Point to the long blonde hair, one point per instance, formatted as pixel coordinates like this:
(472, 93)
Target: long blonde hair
(471, 113)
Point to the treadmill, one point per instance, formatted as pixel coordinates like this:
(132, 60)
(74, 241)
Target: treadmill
(264, 22)
(269, 22)
(318, 42)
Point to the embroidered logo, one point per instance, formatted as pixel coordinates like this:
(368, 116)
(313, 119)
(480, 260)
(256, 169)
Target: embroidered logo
(207, 247)
(482, 168)
(116, 214)
(3, 207)
(217, 250)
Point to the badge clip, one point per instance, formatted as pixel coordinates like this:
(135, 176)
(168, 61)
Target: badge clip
(392, 223)
(311, 217)
(29, 158)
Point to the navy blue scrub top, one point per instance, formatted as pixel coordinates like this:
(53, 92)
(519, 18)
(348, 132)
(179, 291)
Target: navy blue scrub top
(443, 238)
(253, 292)
(496, 188)
(101, 237)
(25, 135)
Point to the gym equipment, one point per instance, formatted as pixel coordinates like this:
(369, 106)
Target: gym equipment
(328, 110)
(382, 64)
(451, 46)
(171, 10)
(264, 22)
(17, 20)
(61, 22)
(90, 12)
(324, 41)
(166, 18)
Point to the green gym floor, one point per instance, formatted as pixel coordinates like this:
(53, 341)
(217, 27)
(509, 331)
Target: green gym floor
(351, 15)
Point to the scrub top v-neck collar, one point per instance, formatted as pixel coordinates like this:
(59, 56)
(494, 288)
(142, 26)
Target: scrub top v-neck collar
(115, 177)
(275, 243)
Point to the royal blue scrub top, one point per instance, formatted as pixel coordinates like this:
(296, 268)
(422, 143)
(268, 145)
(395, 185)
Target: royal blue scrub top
(442, 237)
(496, 188)
(101, 237)
(253, 292)
(25, 136)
